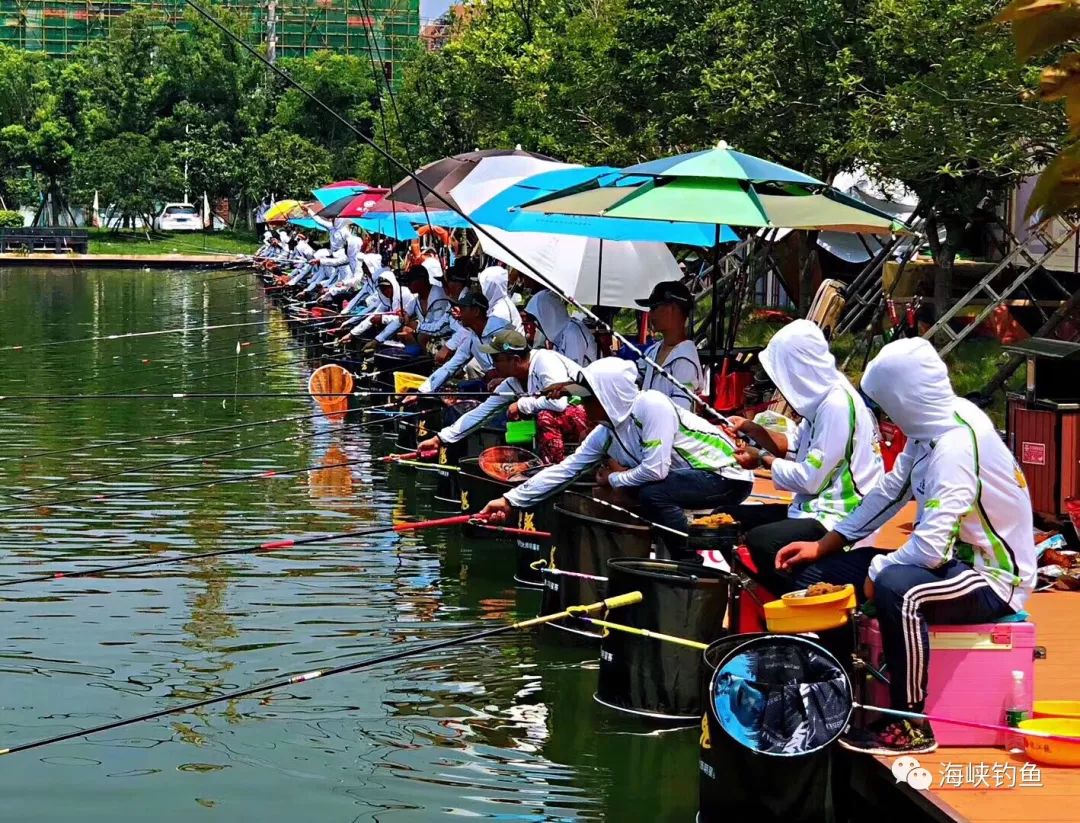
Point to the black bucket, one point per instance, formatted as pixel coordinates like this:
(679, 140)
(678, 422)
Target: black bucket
(722, 539)
(585, 536)
(477, 489)
(654, 678)
(413, 428)
(738, 783)
(447, 490)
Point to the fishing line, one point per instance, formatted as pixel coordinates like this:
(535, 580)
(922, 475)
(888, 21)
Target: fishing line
(195, 484)
(171, 435)
(413, 651)
(128, 335)
(530, 270)
(176, 461)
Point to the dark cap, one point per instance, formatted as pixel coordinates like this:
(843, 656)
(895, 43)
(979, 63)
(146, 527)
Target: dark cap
(417, 272)
(462, 270)
(471, 299)
(506, 341)
(671, 291)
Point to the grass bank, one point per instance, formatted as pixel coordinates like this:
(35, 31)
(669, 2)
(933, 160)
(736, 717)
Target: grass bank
(129, 241)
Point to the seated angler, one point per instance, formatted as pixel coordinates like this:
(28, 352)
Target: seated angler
(526, 374)
(830, 462)
(457, 279)
(431, 310)
(568, 336)
(971, 557)
(677, 460)
(390, 306)
(495, 286)
(675, 351)
(479, 325)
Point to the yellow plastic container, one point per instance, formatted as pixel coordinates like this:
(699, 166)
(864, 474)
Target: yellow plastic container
(1053, 752)
(845, 598)
(403, 381)
(1057, 708)
(783, 618)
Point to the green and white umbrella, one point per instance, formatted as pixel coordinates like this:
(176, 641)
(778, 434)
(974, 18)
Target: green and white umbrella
(719, 186)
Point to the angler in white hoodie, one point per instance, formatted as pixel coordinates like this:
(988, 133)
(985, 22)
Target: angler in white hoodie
(677, 460)
(388, 308)
(494, 285)
(830, 462)
(971, 558)
(567, 335)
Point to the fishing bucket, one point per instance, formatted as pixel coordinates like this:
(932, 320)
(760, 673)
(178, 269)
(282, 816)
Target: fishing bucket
(655, 678)
(715, 538)
(520, 432)
(477, 488)
(585, 536)
(447, 490)
(774, 706)
(411, 429)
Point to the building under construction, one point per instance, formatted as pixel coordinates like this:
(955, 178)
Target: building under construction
(287, 28)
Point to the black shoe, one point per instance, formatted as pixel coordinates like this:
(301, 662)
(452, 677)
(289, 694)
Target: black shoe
(890, 738)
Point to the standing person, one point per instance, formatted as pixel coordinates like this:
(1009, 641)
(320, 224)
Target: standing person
(526, 373)
(260, 215)
(971, 557)
(831, 461)
(569, 336)
(676, 459)
(669, 307)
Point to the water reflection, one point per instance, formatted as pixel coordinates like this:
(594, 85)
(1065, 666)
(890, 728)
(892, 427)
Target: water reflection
(504, 729)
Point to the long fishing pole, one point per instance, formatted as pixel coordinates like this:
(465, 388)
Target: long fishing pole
(221, 395)
(621, 510)
(419, 649)
(530, 270)
(266, 546)
(269, 473)
(156, 332)
(171, 435)
(178, 461)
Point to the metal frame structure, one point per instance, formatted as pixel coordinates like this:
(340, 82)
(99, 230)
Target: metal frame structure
(289, 28)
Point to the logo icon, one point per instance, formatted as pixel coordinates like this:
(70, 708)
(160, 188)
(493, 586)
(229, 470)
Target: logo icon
(908, 770)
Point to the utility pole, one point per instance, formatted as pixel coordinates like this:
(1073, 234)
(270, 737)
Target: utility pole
(271, 31)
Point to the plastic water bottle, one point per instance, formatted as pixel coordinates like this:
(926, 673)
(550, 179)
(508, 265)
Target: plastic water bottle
(1016, 710)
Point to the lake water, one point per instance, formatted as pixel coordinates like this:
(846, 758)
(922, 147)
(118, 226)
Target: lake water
(506, 730)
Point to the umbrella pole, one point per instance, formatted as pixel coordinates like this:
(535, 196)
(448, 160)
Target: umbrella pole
(717, 315)
(599, 270)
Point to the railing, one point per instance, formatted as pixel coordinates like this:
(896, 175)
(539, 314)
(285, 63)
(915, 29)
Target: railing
(56, 240)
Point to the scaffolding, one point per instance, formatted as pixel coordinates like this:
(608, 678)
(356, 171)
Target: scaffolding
(288, 28)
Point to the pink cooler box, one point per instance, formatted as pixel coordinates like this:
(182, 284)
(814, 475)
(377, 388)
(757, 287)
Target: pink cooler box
(970, 675)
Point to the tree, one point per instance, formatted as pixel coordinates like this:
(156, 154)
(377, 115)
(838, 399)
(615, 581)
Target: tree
(951, 124)
(130, 172)
(283, 163)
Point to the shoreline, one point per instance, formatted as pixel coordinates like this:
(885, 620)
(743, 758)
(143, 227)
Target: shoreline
(121, 261)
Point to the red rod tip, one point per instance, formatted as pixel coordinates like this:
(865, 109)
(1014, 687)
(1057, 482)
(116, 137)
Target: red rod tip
(268, 474)
(58, 574)
(278, 544)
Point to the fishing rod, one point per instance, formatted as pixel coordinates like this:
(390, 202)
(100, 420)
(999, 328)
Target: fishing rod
(152, 437)
(530, 270)
(193, 485)
(177, 461)
(226, 395)
(666, 638)
(157, 332)
(621, 510)
(401, 654)
(266, 546)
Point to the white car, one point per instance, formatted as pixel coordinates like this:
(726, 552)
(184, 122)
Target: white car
(178, 217)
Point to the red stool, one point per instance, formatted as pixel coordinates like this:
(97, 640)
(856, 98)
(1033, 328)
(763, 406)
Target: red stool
(749, 599)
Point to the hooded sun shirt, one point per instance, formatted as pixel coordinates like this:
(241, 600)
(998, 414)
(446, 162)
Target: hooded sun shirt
(973, 501)
(568, 336)
(646, 431)
(834, 456)
(494, 285)
(400, 300)
(546, 369)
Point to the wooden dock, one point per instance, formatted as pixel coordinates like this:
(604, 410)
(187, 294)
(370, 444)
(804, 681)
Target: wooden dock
(122, 261)
(1056, 798)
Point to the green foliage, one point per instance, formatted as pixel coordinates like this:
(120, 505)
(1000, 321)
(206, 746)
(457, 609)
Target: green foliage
(130, 172)
(282, 163)
(10, 220)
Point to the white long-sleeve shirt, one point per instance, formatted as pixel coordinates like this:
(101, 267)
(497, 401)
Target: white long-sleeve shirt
(647, 432)
(468, 350)
(546, 369)
(972, 499)
(683, 364)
